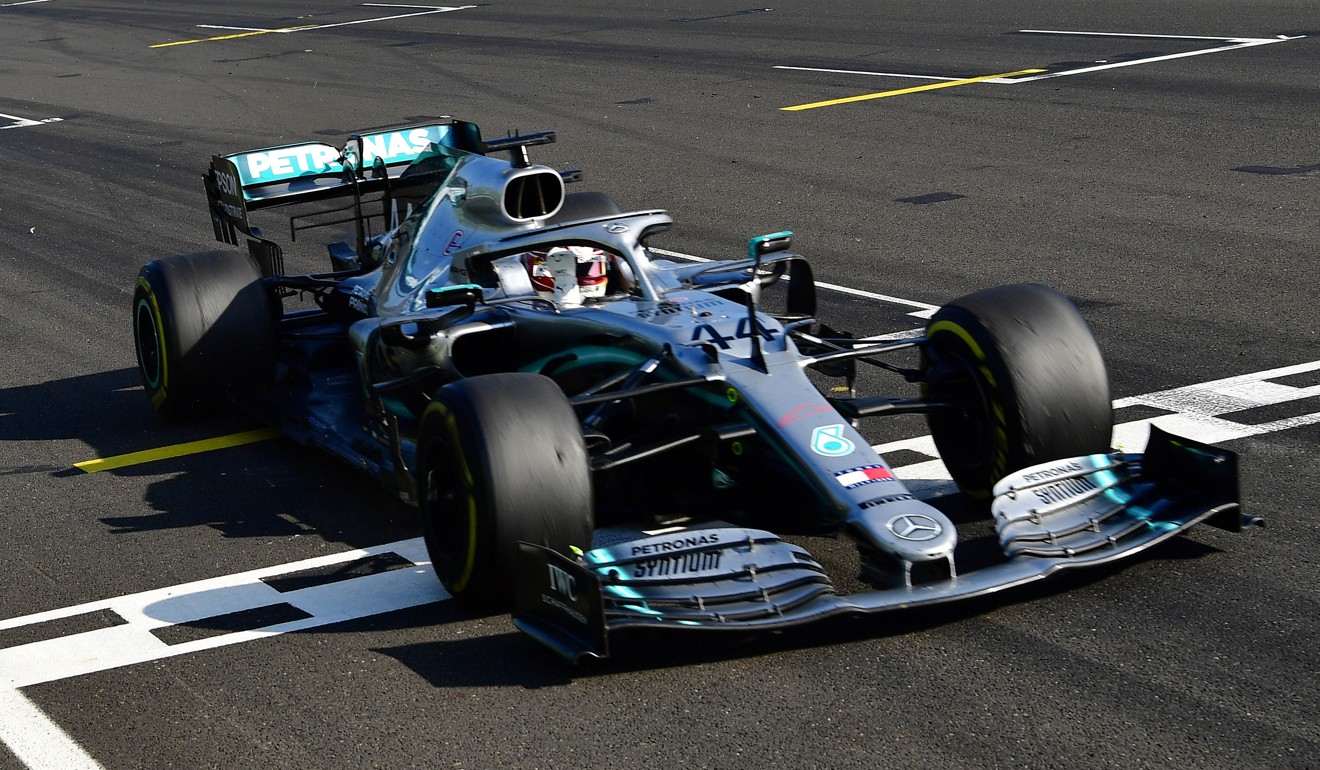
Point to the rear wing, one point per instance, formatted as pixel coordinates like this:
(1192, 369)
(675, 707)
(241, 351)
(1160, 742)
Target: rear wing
(313, 171)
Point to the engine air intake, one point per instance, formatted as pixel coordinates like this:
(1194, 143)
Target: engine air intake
(533, 196)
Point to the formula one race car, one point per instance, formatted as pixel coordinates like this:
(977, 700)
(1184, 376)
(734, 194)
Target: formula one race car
(602, 438)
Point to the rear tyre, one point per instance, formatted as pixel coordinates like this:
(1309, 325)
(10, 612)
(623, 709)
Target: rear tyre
(1026, 381)
(500, 459)
(203, 327)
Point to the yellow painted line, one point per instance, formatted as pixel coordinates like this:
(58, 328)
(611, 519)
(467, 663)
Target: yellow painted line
(177, 450)
(901, 91)
(231, 37)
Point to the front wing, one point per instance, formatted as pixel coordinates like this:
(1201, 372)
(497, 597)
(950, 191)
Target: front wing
(1066, 514)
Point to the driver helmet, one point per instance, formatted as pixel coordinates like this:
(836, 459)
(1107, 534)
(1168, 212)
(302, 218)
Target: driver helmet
(568, 275)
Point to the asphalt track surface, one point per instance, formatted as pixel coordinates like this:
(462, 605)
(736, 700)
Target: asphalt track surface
(1174, 198)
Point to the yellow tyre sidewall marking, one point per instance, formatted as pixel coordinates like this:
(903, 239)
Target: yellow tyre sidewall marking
(1000, 462)
(158, 397)
(469, 488)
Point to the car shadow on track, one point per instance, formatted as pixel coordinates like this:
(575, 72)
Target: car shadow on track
(276, 489)
(101, 409)
(268, 489)
(512, 659)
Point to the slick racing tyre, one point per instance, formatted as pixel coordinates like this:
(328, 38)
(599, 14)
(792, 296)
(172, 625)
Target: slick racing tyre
(500, 459)
(203, 327)
(1025, 381)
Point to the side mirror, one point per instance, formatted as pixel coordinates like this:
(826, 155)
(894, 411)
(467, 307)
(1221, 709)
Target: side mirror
(769, 244)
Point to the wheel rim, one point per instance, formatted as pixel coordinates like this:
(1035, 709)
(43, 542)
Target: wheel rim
(448, 525)
(958, 383)
(150, 354)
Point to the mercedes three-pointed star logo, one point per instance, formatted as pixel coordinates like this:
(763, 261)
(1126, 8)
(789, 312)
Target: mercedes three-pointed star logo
(914, 526)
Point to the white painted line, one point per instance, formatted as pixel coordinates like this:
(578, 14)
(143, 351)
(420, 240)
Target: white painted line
(239, 29)
(680, 255)
(37, 741)
(906, 334)
(397, 5)
(41, 745)
(925, 311)
(244, 32)
(430, 10)
(1233, 44)
(133, 642)
(1198, 413)
(21, 122)
(1199, 410)
(1146, 35)
(864, 72)
(995, 81)
(1135, 62)
(24, 2)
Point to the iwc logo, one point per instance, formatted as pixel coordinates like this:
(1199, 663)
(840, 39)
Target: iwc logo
(914, 526)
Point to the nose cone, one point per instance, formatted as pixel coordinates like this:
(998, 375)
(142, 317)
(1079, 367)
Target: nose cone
(908, 530)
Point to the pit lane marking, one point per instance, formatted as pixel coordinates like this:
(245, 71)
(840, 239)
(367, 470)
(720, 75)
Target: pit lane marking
(422, 10)
(176, 450)
(912, 90)
(1233, 44)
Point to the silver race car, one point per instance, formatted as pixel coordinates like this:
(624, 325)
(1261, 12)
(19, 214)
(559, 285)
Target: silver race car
(603, 439)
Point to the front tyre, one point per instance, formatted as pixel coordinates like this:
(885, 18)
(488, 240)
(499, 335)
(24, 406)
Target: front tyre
(1025, 381)
(500, 459)
(203, 327)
